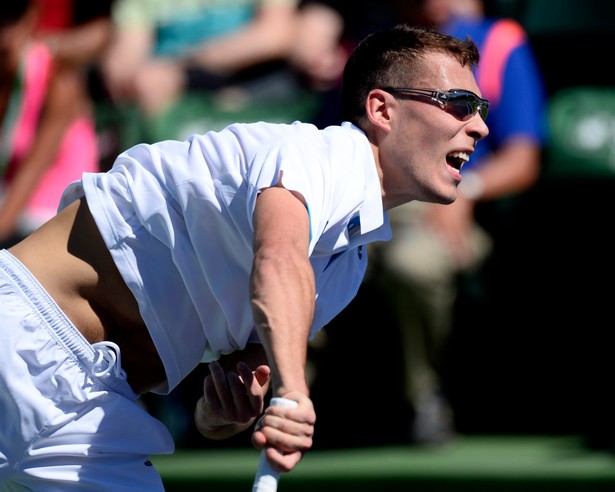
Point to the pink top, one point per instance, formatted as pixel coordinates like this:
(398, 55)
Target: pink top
(78, 151)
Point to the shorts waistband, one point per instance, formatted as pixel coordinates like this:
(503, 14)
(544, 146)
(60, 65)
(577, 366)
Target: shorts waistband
(58, 324)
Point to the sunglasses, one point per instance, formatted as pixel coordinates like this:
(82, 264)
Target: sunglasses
(460, 103)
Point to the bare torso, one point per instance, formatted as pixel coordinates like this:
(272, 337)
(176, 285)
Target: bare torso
(70, 260)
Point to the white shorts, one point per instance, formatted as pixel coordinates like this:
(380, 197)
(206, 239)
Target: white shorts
(65, 424)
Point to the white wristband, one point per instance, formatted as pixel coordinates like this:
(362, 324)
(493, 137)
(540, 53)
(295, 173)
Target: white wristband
(471, 186)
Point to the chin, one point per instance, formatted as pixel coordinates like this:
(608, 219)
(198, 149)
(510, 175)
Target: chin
(445, 199)
(444, 195)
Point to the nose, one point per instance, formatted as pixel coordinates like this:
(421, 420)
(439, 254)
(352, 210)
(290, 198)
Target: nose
(477, 127)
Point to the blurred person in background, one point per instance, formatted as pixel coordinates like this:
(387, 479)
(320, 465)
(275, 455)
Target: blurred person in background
(78, 32)
(47, 131)
(162, 49)
(435, 247)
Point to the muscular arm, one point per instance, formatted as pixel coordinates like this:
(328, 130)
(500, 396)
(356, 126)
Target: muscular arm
(283, 296)
(282, 287)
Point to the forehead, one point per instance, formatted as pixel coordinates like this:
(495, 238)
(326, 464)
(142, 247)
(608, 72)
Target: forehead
(443, 72)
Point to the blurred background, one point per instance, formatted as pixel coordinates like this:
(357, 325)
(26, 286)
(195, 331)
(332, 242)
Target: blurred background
(530, 352)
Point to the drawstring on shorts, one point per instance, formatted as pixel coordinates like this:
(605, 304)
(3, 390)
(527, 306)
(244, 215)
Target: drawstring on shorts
(108, 359)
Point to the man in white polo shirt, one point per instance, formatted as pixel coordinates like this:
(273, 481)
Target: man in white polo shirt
(231, 248)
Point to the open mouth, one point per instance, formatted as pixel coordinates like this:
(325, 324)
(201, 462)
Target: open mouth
(457, 159)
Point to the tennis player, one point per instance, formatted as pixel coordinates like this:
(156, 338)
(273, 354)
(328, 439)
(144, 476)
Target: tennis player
(235, 245)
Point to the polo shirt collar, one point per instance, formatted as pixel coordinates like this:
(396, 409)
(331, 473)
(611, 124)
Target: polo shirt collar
(372, 215)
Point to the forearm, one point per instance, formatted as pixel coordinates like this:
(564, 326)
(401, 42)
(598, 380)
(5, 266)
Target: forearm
(283, 296)
(268, 37)
(82, 44)
(514, 168)
(282, 286)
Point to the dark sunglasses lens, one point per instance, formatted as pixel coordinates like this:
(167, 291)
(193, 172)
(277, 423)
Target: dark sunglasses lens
(462, 106)
(465, 105)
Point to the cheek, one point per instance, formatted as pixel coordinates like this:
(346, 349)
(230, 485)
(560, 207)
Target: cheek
(421, 140)
(423, 143)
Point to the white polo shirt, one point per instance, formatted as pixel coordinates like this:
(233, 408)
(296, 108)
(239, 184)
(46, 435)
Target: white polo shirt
(177, 219)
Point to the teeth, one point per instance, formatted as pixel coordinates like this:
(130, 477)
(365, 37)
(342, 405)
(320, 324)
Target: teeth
(464, 156)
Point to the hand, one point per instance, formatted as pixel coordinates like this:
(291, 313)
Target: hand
(286, 433)
(231, 401)
(317, 51)
(158, 85)
(453, 223)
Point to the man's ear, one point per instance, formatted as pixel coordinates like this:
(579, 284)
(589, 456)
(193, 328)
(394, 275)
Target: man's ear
(378, 109)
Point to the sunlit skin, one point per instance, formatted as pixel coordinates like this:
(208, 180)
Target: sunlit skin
(413, 138)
